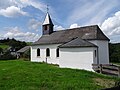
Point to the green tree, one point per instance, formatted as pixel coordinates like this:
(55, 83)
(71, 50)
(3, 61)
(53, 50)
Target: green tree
(114, 52)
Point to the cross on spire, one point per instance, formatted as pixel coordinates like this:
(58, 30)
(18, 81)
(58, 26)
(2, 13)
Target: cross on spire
(47, 8)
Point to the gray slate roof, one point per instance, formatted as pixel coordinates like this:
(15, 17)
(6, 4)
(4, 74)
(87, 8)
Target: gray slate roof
(59, 37)
(22, 50)
(77, 42)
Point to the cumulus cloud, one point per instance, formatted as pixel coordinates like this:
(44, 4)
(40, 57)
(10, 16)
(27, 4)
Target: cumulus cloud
(22, 4)
(57, 28)
(11, 8)
(111, 26)
(6, 3)
(12, 11)
(34, 24)
(15, 32)
(91, 12)
(75, 25)
(34, 3)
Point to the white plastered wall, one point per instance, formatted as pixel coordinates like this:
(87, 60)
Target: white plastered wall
(42, 58)
(77, 58)
(103, 51)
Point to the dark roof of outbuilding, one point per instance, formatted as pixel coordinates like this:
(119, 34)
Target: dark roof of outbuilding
(58, 37)
(77, 42)
(22, 50)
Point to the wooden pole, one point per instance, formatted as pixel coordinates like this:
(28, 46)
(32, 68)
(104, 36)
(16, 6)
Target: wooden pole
(100, 68)
(118, 71)
(46, 59)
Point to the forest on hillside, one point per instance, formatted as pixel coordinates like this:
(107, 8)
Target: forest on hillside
(114, 52)
(13, 43)
(9, 47)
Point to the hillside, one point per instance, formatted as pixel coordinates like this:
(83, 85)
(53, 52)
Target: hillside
(23, 75)
(3, 46)
(9, 47)
(12, 43)
(114, 52)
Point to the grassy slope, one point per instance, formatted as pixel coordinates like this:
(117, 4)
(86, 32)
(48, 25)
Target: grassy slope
(24, 75)
(3, 46)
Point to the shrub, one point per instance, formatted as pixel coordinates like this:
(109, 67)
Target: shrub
(7, 56)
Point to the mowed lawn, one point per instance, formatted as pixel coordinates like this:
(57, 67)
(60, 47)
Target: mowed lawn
(25, 75)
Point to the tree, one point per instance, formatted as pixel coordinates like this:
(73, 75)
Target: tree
(1, 50)
(114, 52)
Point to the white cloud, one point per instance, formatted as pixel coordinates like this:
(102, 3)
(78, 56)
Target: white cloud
(15, 32)
(57, 28)
(111, 26)
(75, 25)
(34, 24)
(11, 8)
(91, 12)
(34, 3)
(12, 11)
(22, 4)
(6, 3)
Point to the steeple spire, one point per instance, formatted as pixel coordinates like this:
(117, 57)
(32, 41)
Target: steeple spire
(47, 24)
(47, 19)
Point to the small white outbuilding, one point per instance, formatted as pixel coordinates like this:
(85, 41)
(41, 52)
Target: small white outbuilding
(76, 48)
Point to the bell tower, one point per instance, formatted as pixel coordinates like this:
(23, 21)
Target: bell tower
(47, 25)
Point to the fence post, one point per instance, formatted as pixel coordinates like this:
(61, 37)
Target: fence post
(118, 71)
(100, 68)
(46, 59)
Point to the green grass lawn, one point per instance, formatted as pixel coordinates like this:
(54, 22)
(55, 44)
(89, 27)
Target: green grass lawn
(3, 46)
(116, 63)
(25, 75)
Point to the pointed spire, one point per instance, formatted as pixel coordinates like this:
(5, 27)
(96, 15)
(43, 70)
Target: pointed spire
(47, 25)
(47, 20)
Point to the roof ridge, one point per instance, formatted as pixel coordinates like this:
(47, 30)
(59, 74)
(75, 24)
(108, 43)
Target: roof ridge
(69, 41)
(80, 43)
(76, 28)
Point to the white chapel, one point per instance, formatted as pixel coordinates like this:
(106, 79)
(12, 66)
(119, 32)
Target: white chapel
(76, 48)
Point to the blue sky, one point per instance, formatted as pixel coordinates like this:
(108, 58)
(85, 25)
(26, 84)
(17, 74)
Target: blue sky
(22, 19)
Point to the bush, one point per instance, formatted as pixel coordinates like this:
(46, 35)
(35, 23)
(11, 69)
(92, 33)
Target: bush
(117, 84)
(7, 56)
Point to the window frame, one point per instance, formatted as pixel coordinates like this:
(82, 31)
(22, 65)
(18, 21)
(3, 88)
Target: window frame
(45, 27)
(38, 52)
(47, 52)
(57, 53)
(95, 53)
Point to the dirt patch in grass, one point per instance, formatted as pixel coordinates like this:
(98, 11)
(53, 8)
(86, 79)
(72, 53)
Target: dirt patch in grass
(107, 83)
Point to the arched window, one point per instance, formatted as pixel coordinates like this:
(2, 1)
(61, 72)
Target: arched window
(45, 27)
(47, 52)
(38, 52)
(57, 52)
(95, 53)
